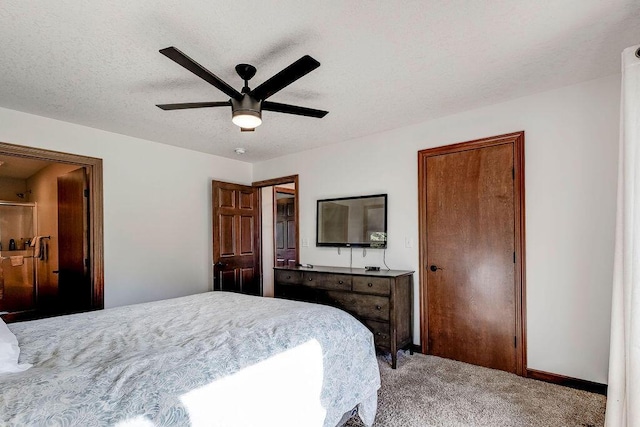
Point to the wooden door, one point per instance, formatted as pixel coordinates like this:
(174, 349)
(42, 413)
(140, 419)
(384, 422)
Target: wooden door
(473, 294)
(236, 238)
(74, 284)
(285, 229)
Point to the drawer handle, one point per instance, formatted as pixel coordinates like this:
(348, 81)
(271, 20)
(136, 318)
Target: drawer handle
(288, 277)
(378, 307)
(310, 278)
(340, 282)
(378, 333)
(370, 285)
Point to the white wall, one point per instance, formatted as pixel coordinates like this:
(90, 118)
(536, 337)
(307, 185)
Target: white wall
(571, 145)
(157, 205)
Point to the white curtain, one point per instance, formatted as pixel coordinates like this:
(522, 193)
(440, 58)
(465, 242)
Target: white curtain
(623, 400)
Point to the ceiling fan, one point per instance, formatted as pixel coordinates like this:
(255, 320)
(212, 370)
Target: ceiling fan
(247, 106)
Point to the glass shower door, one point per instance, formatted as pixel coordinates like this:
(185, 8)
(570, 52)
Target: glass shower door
(17, 265)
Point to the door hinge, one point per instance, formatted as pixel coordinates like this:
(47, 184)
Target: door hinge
(514, 257)
(86, 193)
(86, 262)
(513, 173)
(515, 342)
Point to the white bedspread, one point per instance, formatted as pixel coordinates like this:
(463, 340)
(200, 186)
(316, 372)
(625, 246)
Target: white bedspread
(215, 359)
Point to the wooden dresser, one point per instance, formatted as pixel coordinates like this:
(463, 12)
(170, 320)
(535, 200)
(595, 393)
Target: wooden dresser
(382, 300)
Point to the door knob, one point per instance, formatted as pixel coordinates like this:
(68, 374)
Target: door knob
(434, 268)
(220, 264)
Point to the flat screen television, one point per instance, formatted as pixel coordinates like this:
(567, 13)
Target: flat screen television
(359, 222)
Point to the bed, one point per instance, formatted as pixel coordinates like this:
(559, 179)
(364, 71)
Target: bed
(215, 359)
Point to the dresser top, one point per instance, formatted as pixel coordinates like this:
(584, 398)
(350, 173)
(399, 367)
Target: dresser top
(347, 270)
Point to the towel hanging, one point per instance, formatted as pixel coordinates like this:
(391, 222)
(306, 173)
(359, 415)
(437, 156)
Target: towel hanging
(38, 244)
(16, 260)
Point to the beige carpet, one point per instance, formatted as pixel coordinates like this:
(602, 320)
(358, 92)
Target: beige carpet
(430, 391)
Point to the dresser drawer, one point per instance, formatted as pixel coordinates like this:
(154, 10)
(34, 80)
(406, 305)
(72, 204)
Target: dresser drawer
(381, 333)
(295, 292)
(372, 285)
(327, 281)
(284, 276)
(364, 306)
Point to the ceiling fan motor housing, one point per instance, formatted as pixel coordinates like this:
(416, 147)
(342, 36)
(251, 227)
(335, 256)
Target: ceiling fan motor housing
(246, 106)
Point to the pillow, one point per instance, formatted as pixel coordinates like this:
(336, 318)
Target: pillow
(9, 351)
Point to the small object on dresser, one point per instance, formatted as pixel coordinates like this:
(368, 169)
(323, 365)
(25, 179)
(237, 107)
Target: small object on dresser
(372, 268)
(305, 265)
(12, 245)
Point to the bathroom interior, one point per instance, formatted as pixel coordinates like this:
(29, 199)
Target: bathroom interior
(35, 241)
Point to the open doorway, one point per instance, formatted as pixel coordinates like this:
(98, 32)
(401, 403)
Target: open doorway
(50, 233)
(285, 225)
(280, 226)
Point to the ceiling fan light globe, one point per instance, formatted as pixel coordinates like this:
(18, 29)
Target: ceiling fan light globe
(246, 112)
(246, 119)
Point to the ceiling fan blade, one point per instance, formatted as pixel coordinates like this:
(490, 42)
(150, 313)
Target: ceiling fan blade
(197, 69)
(186, 105)
(293, 72)
(293, 109)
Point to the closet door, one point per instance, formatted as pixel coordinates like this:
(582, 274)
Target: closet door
(472, 288)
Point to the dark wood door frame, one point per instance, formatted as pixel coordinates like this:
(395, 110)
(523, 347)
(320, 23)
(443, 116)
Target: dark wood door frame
(290, 179)
(93, 166)
(517, 139)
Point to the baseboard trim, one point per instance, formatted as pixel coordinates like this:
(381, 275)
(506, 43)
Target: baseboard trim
(567, 381)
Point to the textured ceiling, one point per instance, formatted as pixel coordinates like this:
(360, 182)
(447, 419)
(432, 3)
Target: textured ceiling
(384, 64)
